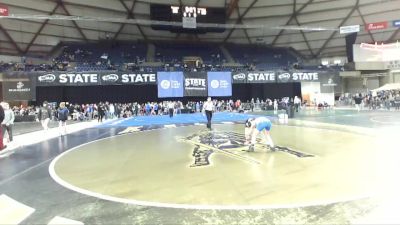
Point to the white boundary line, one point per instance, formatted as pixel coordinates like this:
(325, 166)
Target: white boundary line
(373, 119)
(67, 185)
(13, 205)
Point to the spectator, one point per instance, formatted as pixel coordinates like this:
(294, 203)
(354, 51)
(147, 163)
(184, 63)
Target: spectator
(297, 102)
(44, 116)
(8, 121)
(2, 146)
(397, 102)
(62, 118)
(357, 101)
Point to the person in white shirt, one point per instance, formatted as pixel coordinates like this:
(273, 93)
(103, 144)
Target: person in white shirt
(297, 102)
(171, 106)
(112, 111)
(208, 107)
(275, 105)
(8, 121)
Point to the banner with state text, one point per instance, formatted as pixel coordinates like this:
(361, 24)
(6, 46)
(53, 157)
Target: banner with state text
(94, 78)
(279, 76)
(195, 84)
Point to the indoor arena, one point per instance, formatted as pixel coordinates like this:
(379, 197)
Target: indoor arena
(199, 112)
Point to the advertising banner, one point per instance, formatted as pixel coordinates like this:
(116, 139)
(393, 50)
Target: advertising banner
(219, 84)
(284, 77)
(330, 82)
(261, 77)
(396, 23)
(170, 84)
(3, 10)
(376, 26)
(239, 77)
(18, 91)
(349, 29)
(195, 84)
(99, 78)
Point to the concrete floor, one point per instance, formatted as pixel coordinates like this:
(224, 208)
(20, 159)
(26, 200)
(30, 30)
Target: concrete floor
(146, 175)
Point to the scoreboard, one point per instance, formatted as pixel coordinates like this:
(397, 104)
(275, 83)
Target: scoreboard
(189, 16)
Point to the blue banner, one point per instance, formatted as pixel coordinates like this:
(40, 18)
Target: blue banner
(219, 83)
(170, 84)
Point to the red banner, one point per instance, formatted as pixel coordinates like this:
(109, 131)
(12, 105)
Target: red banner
(376, 26)
(3, 10)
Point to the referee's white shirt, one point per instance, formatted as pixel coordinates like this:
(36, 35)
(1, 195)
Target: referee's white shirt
(208, 106)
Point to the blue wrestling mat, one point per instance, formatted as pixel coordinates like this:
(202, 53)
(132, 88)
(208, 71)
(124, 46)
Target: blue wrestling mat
(179, 119)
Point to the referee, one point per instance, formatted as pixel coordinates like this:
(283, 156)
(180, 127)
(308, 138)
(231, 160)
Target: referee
(208, 108)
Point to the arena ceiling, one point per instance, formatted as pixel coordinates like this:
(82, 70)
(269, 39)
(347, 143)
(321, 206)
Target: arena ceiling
(35, 34)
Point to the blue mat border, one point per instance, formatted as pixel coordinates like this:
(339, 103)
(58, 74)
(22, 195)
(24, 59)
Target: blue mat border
(180, 120)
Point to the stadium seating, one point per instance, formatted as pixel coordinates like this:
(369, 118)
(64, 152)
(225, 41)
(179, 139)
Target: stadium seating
(128, 56)
(174, 52)
(103, 56)
(263, 58)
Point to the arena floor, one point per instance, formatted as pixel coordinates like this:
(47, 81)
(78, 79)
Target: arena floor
(331, 167)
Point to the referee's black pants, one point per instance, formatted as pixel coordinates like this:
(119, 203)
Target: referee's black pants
(209, 116)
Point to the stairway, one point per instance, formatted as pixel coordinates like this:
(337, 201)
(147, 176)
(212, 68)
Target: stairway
(151, 52)
(227, 55)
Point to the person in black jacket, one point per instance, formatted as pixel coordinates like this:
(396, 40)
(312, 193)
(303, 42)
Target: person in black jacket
(63, 114)
(44, 115)
(358, 101)
(2, 146)
(101, 112)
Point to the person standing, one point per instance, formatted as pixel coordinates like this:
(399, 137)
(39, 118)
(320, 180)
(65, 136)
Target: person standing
(397, 102)
(275, 106)
(101, 112)
(252, 104)
(297, 103)
(63, 114)
(208, 108)
(171, 107)
(2, 146)
(44, 116)
(357, 101)
(8, 121)
(111, 111)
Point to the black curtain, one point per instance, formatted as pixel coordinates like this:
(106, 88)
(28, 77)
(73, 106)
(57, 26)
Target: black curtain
(350, 40)
(93, 94)
(144, 93)
(246, 92)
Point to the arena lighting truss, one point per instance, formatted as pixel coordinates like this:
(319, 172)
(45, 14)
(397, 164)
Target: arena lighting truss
(168, 23)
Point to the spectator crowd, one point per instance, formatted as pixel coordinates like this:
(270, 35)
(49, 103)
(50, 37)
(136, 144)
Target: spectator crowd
(386, 100)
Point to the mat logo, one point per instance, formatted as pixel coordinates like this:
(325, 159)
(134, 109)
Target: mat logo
(230, 144)
(206, 143)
